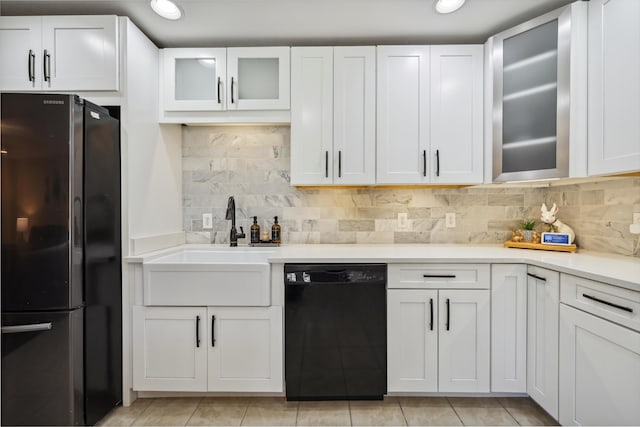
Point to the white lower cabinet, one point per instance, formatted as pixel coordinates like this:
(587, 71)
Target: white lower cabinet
(543, 304)
(509, 328)
(464, 340)
(245, 349)
(231, 349)
(600, 371)
(412, 340)
(438, 340)
(169, 348)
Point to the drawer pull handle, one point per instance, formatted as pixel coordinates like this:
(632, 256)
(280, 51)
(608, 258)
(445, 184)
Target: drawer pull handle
(437, 162)
(536, 277)
(621, 307)
(448, 315)
(233, 101)
(32, 66)
(197, 331)
(213, 331)
(439, 276)
(219, 84)
(431, 317)
(47, 66)
(424, 162)
(326, 164)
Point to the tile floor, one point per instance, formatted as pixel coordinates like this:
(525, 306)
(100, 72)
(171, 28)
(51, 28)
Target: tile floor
(276, 411)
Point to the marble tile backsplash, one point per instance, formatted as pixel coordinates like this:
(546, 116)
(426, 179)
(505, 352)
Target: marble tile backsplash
(252, 164)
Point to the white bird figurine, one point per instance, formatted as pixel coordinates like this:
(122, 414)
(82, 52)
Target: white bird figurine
(549, 217)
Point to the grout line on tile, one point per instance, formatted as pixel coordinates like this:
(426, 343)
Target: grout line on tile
(350, 417)
(194, 411)
(454, 410)
(406, 421)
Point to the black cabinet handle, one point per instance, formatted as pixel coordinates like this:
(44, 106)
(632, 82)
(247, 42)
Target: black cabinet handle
(219, 84)
(232, 85)
(339, 163)
(431, 316)
(326, 164)
(197, 331)
(448, 313)
(213, 331)
(32, 66)
(536, 277)
(601, 301)
(424, 162)
(439, 276)
(437, 162)
(47, 66)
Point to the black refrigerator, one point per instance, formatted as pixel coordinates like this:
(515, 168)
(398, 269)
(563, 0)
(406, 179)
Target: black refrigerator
(61, 260)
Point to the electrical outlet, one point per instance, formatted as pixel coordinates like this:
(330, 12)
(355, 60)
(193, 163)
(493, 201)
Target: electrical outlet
(207, 221)
(450, 220)
(403, 221)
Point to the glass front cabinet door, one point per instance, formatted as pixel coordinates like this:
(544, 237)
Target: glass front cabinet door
(532, 95)
(194, 79)
(258, 78)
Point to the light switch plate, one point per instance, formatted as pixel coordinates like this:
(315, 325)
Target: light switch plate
(403, 221)
(450, 220)
(207, 221)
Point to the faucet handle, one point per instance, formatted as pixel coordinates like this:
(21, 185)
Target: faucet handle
(241, 235)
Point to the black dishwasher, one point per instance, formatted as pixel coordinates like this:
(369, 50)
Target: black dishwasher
(335, 331)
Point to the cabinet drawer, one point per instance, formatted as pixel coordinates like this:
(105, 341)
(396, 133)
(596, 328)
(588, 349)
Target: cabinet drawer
(432, 276)
(610, 302)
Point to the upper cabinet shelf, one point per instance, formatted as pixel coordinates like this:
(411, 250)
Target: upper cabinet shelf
(59, 53)
(202, 85)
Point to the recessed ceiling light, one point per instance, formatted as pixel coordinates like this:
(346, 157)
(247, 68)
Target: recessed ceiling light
(166, 8)
(448, 6)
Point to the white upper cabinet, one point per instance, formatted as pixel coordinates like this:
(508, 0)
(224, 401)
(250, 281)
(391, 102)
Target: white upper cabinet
(311, 115)
(403, 115)
(241, 85)
(354, 114)
(194, 79)
(61, 53)
(333, 115)
(456, 114)
(258, 78)
(20, 53)
(614, 86)
(539, 97)
(430, 105)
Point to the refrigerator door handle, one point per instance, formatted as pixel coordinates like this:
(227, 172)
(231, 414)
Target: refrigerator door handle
(26, 328)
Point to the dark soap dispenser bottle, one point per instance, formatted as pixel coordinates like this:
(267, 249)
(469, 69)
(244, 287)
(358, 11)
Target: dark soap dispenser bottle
(255, 231)
(275, 231)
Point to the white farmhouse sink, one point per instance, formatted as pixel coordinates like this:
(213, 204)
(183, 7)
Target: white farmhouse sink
(192, 256)
(217, 277)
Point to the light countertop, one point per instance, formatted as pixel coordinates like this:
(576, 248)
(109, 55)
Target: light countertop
(614, 269)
